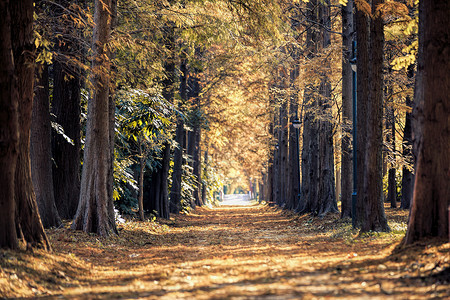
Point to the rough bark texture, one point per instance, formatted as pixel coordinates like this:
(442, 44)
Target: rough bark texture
(276, 190)
(326, 191)
(283, 143)
(431, 198)
(94, 208)
(9, 132)
(374, 218)
(175, 192)
(293, 165)
(23, 50)
(347, 113)
(392, 182)
(362, 27)
(66, 110)
(407, 175)
(41, 152)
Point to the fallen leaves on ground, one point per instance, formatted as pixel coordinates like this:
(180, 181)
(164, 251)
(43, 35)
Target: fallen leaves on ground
(236, 252)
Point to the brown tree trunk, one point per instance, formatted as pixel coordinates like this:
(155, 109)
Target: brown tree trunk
(293, 165)
(347, 114)
(9, 132)
(407, 175)
(362, 27)
(326, 191)
(175, 192)
(283, 142)
(431, 197)
(374, 218)
(392, 182)
(41, 152)
(142, 161)
(94, 208)
(67, 111)
(23, 50)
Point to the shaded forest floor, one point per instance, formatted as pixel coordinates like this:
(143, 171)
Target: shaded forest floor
(232, 252)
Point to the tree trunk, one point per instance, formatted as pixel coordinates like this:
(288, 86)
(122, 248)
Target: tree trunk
(407, 175)
(362, 28)
(374, 218)
(326, 192)
(347, 114)
(392, 182)
(142, 161)
(23, 50)
(94, 208)
(175, 192)
(41, 152)
(164, 194)
(283, 142)
(66, 110)
(431, 197)
(9, 132)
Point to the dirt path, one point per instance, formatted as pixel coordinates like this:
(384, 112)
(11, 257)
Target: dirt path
(236, 252)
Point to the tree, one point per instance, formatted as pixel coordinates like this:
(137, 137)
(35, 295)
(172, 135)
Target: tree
(9, 131)
(66, 107)
(27, 216)
(41, 153)
(431, 196)
(95, 209)
(373, 218)
(347, 114)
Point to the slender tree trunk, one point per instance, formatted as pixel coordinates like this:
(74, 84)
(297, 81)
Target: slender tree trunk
(362, 27)
(407, 175)
(66, 110)
(431, 198)
(41, 152)
(23, 50)
(347, 113)
(283, 143)
(142, 160)
(164, 194)
(392, 182)
(175, 192)
(9, 132)
(374, 218)
(94, 209)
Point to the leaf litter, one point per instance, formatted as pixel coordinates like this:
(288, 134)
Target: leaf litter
(236, 252)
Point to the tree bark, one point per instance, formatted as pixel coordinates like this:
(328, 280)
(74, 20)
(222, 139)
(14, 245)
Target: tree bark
(41, 152)
(362, 28)
(283, 142)
(175, 192)
(326, 192)
(407, 175)
(142, 161)
(374, 218)
(66, 109)
(347, 113)
(28, 218)
(94, 208)
(392, 182)
(9, 132)
(431, 197)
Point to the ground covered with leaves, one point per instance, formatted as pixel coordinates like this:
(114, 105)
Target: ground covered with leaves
(232, 252)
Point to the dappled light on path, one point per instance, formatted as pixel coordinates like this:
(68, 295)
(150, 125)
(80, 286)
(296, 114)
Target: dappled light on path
(237, 252)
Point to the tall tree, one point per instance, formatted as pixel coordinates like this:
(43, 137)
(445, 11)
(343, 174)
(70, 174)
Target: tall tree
(9, 131)
(94, 213)
(347, 115)
(28, 219)
(407, 175)
(66, 109)
(373, 218)
(41, 153)
(431, 198)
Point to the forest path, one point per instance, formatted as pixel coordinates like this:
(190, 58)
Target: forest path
(232, 252)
